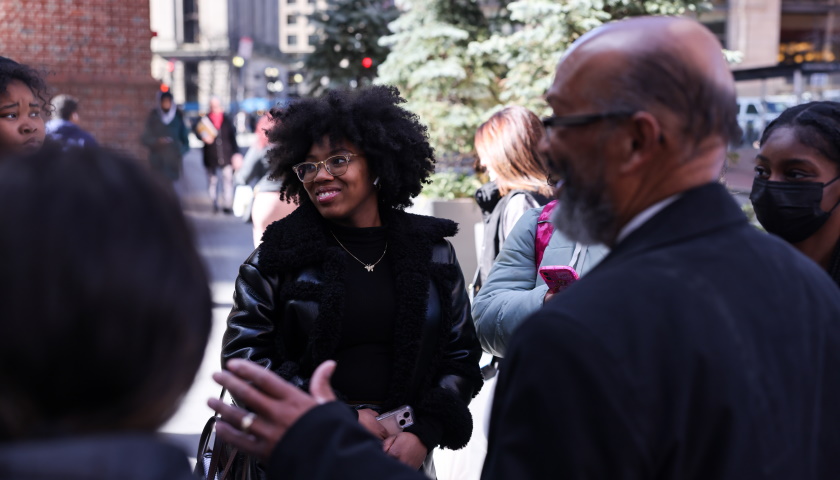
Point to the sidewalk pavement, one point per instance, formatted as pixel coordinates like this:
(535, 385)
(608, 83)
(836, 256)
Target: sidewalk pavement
(224, 242)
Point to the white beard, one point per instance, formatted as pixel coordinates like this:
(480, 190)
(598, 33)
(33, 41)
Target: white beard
(585, 215)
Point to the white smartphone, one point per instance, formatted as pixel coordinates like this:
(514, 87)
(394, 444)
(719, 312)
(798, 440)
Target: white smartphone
(397, 419)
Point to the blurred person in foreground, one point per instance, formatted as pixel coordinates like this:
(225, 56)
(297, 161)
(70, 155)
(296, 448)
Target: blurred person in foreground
(266, 207)
(698, 348)
(796, 190)
(64, 128)
(23, 105)
(167, 137)
(221, 154)
(104, 321)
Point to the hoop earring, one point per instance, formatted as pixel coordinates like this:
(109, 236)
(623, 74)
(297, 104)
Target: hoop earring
(376, 183)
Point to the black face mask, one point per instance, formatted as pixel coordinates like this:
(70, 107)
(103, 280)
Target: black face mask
(790, 210)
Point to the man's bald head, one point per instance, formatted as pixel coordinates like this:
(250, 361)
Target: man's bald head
(649, 107)
(667, 63)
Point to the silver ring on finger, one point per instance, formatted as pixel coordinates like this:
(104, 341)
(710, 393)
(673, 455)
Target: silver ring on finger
(247, 421)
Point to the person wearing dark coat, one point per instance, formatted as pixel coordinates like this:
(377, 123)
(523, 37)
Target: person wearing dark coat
(220, 153)
(699, 348)
(167, 138)
(350, 276)
(65, 129)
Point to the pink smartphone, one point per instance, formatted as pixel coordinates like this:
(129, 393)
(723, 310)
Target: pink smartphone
(558, 277)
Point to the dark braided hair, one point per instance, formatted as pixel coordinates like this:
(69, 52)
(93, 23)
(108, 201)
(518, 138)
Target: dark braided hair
(816, 124)
(394, 142)
(11, 70)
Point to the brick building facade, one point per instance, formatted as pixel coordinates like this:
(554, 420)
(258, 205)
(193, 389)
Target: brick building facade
(96, 50)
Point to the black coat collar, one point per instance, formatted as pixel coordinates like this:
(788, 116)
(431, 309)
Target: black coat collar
(302, 241)
(697, 212)
(302, 238)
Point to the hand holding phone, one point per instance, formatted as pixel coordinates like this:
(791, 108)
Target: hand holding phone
(558, 277)
(396, 420)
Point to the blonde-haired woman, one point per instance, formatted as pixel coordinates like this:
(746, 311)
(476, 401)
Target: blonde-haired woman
(507, 147)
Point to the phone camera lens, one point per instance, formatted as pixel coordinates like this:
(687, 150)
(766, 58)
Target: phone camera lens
(402, 422)
(405, 414)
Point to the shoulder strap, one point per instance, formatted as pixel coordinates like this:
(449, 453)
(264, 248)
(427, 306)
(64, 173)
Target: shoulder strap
(544, 231)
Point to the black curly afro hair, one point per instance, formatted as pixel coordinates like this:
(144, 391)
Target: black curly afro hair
(12, 70)
(394, 142)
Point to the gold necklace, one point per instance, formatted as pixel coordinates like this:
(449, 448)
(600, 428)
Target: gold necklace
(368, 266)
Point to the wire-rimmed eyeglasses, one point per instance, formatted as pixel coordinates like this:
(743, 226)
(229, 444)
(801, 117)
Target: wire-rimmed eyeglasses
(335, 166)
(555, 121)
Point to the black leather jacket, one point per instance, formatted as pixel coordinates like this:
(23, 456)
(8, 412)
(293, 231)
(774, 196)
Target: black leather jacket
(283, 315)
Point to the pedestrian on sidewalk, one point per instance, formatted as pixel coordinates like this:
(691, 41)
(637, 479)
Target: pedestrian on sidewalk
(23, 105)
(64, 127)
(266, 207)
(221, 154)
(167, 138)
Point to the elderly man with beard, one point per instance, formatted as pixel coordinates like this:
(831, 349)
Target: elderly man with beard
(699, 348)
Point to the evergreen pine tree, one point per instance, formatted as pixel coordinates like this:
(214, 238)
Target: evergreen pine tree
(430, 65)
(350, 31)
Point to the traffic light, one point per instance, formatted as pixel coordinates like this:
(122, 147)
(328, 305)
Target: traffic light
(367, 62)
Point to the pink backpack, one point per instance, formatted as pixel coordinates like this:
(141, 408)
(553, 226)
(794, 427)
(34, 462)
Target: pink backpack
(544, 231)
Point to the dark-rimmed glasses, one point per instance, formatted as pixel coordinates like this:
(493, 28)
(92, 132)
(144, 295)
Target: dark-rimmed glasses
(555, 121)
(335, 166)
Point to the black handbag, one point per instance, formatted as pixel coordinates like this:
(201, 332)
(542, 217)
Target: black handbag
(223, 461)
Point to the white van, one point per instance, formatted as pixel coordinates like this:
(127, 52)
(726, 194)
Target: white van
(754, 114)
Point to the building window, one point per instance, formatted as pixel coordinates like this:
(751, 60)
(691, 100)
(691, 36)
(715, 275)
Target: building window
(191, 82)
(291, 19)
(190, 11)
(291, 40)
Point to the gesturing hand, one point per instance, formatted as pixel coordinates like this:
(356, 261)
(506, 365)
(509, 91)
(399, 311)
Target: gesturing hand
(407, 448)
(276, 404)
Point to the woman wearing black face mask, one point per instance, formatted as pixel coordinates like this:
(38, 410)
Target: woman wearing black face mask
(796, 190)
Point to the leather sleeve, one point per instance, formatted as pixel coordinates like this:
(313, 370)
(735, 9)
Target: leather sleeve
(254, 319)
(445, 405)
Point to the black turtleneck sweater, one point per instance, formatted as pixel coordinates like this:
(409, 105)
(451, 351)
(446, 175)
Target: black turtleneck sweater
(365, 350)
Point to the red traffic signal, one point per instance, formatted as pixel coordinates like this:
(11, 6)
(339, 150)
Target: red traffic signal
(367, 62)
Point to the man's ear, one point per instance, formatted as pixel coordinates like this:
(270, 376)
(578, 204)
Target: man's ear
(645, 140)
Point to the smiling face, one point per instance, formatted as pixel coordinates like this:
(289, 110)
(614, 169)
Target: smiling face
(21, 124)
(349, 199)
(580, 156)
(783, 158)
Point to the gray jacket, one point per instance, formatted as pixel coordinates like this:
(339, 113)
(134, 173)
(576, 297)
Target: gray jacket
(514, 289)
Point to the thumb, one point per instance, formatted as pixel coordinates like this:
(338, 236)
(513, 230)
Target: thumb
(319, 387)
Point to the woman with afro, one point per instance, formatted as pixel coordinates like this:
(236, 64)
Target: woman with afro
(350, 276)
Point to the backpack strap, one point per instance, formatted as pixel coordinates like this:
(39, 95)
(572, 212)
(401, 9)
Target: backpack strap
(544, 231)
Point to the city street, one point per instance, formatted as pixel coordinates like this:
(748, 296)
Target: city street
(224, 242)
